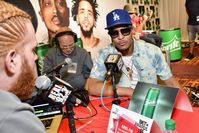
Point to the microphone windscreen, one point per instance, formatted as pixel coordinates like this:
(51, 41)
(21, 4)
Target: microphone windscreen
(43, 82)
(68, 60)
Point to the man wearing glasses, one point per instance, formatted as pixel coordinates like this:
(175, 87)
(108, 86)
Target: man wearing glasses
(142, 62)
(78, 70)
(54, 14)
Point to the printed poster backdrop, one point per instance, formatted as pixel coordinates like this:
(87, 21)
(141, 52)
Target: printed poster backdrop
(48, 23)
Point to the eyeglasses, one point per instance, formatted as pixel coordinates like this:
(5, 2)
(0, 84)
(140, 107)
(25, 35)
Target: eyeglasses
(115, 33)
(67, 47)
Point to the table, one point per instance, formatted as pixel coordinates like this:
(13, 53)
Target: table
(186, 122)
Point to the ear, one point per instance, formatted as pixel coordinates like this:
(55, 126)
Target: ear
(94, 23)
(11, 61)
(133, 31)
(77, 20)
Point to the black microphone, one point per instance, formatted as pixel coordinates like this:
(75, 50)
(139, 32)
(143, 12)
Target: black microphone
(114, 64)
(59, 66)
(59, 90)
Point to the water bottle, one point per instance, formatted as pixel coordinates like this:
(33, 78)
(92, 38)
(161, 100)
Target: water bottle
(170, 126)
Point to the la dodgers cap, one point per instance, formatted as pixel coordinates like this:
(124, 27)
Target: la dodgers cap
(118, 17)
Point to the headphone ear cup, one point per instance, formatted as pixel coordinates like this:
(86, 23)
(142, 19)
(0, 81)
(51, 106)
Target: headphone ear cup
(82, 95)
(75, 37)
(55, 41)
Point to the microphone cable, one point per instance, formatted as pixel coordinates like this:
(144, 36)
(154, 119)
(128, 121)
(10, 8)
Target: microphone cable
(91, 113)
(101, 96)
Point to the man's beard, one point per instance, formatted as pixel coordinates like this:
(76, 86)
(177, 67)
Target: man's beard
(24, 85)
(87, 34)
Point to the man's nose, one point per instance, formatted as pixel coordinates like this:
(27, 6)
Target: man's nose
(120, 36)
(54, 9)
(86, 14)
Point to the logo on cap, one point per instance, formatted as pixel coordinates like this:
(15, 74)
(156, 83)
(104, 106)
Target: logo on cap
(116, 16)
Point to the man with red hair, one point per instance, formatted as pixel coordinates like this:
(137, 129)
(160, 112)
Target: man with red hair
(17, 71)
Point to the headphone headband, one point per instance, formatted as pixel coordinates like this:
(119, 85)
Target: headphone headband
(67, 33)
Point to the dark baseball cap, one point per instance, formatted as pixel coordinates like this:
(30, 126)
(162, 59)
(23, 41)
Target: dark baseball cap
(117, 17)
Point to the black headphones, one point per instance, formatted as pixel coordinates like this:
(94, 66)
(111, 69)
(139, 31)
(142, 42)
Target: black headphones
(82, 94)
(65, 33)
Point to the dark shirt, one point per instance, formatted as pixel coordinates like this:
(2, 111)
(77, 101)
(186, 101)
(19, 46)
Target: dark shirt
(192, 7)
(80, 58)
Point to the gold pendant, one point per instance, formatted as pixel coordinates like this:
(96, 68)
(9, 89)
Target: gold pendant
(130, 72)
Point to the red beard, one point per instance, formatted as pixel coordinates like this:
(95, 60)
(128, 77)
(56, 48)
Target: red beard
(24, 85)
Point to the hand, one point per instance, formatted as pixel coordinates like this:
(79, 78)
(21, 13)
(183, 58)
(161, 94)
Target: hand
(125, 91)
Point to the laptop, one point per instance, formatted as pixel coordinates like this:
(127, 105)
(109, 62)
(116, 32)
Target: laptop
(50, 116)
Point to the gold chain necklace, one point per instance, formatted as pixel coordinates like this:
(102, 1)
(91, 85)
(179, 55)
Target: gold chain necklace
(129, 68)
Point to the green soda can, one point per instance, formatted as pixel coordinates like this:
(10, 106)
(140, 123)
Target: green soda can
(150, 102)
(172, 42)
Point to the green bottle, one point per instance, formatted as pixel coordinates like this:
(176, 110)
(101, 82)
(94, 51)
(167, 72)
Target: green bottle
(170, 126)
(150, 102)
(79, 43)
(41, 51)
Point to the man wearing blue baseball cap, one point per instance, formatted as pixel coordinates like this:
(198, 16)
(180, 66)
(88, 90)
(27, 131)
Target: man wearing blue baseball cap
(142, 62)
